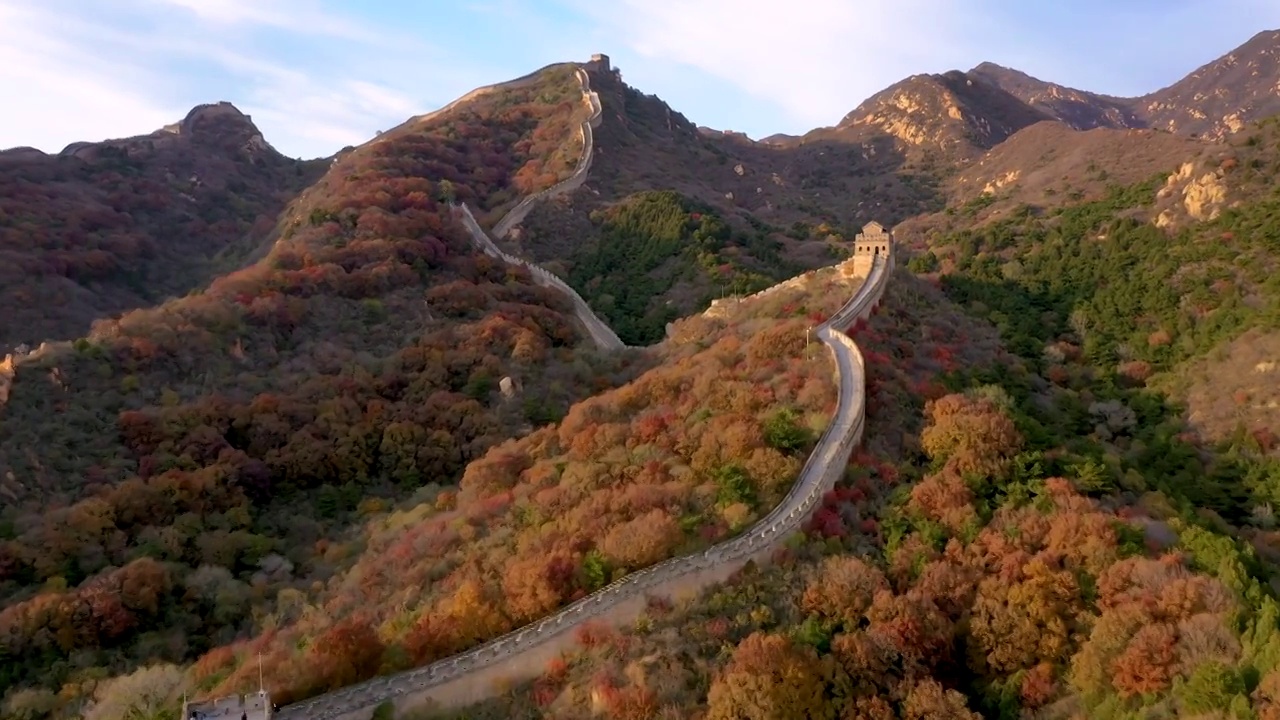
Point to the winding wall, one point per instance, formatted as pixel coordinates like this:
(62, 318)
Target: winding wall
(471, 675)
(600, 332)
(575, 180)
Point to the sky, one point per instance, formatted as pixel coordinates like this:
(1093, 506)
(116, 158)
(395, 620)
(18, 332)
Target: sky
(318, 75)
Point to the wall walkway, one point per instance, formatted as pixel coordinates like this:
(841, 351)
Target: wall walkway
(601, 333)
(575, 180)
(473, 675)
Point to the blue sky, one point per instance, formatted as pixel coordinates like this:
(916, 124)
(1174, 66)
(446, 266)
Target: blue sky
(317, 75)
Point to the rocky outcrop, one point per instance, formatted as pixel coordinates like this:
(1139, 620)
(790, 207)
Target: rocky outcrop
(473, 675)
(1202, 197)
(6, 379)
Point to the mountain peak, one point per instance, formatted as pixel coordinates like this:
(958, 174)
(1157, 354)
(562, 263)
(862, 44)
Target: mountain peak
(952, 110)
(218, 117)
(220, 123)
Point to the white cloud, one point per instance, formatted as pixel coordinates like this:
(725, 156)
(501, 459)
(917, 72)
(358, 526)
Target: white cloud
(303, 17)
(60, 84)
(313, 80)
(814, 58)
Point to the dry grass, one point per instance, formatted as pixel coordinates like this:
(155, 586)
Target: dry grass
(1236, 386)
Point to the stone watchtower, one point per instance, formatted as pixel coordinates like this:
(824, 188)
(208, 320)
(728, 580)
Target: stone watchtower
(599, 63)
(874, 241)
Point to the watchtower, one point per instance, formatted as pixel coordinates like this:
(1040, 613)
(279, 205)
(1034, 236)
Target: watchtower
(599, 62)
(874, 241)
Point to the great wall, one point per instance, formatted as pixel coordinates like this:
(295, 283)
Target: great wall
(518, 655)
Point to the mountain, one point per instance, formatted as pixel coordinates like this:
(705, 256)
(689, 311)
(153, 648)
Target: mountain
(952, 112)
(158, 463)
(1223, 96)
(102, 228)
(1076, 108)
(357, 442)
(1215, 100)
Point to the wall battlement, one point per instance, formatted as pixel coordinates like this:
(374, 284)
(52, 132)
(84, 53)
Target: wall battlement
(599, 62)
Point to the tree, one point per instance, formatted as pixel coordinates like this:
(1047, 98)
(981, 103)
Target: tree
(348, 652)
(150, 693)
(1016, 625)
(928, 700)
(769, 677)
(643, 541)
(784, 432)
(973, 435)
(843, 589)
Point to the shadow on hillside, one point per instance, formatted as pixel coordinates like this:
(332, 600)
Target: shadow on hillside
(1155, 443)
(643, 144)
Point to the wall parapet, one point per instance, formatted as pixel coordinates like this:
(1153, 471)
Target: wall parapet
(823, 468)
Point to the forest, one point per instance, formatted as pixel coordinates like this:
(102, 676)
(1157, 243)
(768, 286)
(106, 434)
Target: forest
(650, 241)
(373, 447)
(182, 474)
(126, 224)
(687, 454)
(984, 557)
(1030, 530)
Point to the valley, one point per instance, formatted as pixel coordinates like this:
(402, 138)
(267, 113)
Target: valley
(491, 417)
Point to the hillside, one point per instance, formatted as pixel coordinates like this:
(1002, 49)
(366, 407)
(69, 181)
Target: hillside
(673, 216)
(951, 116)
(372, 446)
(169, 477)
(102, 228)
(687, 454)
(1042, 535)
(1077, 109)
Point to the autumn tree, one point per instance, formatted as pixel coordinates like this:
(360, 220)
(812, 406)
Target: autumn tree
(643, 541)
(842, 589)
(1017, 625)
(971, 434)
(770, 677)
(348, 652)
(929, 700)
(149, 693)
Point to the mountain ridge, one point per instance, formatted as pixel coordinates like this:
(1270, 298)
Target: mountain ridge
(374, 447)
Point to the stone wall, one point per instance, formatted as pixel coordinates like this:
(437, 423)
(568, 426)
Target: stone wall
(574, 181)
(601, 333)
(520, 654)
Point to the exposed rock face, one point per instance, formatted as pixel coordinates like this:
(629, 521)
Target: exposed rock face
(1202, 197)
(507, 387)
(945, 109)
(1078, 109)
(6, 378)
(1220, 97)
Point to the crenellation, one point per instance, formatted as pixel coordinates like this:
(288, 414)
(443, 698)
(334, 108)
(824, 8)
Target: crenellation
(599, 62)
(253, 706)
